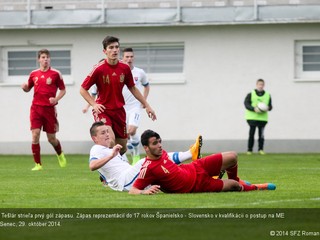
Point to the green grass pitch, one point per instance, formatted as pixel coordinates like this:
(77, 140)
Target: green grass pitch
(296, 177)
(76, 189)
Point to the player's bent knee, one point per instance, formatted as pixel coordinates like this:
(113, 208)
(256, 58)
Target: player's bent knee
(234, 155)
(132, 131)
(230, 159)
(233, 158)
(52, 140)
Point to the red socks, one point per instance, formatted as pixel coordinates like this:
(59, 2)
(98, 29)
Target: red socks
(58, 148)
(246, 187)
(36, 153)
(233, 173)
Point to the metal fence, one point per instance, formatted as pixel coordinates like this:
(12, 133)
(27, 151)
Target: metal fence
(13, 5)
(44, 13)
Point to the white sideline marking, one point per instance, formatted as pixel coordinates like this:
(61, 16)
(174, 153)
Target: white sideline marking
(287, 200)
(272, 201)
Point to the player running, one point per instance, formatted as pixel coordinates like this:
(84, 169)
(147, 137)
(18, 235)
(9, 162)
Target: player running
(118, 173)
(45, 81)
(160, 173)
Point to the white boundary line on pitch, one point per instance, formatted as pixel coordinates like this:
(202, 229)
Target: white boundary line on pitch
(274, 201)
(288, 200)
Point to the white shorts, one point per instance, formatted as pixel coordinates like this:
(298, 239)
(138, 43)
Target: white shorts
(133, 115)
(131, 174)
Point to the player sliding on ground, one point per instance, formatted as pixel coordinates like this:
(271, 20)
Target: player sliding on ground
(113, 169)
(159, 172)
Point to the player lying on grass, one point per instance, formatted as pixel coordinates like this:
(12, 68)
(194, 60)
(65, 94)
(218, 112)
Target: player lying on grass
(159, 172)
(118, 173)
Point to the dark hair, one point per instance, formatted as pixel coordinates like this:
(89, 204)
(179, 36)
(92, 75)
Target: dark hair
(43, 51)
(146, 135)
(260, 80)
(93, 129)
(128, 49)
(108, 40)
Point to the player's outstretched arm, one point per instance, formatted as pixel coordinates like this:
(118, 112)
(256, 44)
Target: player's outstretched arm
(154, 189)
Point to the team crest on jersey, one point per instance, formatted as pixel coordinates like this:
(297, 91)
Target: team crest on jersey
(136, 79)
(49, 80)
(122, 78)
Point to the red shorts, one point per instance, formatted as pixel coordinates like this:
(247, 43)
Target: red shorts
(116, 119)
(206, 168)
(44, 116)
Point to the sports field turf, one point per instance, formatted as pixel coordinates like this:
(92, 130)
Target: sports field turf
(295, 175)
(76, 189)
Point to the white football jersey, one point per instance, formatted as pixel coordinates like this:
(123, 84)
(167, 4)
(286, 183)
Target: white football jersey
(111, 170)
(140, 79)
(93, 90)
(118, 173)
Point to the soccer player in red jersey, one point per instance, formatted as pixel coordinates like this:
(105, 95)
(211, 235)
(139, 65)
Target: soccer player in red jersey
(46, 81)
(160, 173)
(110, 76)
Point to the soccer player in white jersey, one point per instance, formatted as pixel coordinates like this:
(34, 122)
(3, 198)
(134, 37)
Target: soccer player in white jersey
(113, 169)
(132, 105)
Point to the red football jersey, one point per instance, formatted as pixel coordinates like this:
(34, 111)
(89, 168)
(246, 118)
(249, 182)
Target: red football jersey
(167, 174)
(45, 85)
(109, 80)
